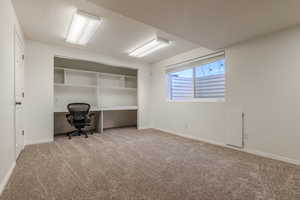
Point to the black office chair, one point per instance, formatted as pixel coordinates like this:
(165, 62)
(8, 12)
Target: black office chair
(79, 117)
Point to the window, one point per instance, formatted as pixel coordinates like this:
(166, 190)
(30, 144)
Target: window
(198, 80)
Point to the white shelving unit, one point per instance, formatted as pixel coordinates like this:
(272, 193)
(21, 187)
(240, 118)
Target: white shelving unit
(74, 85)
(103, 91)
(113, 90)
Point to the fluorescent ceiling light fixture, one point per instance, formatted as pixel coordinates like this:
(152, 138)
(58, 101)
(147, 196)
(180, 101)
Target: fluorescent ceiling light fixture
(150, 47)
(82, 28)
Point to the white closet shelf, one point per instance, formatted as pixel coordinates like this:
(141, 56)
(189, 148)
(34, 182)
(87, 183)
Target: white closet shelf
(118, 88)
(76, 70)
(127, 76)
(119, 108)
(74, 85)
(116, 75)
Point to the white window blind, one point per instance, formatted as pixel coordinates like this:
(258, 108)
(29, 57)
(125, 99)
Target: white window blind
(181, 85)
(201, 79)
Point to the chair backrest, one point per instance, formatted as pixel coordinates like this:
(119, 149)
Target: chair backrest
(79, 111)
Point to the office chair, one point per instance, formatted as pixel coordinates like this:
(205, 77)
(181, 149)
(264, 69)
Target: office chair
(79, 117)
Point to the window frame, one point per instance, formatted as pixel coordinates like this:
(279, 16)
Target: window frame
(194, 99)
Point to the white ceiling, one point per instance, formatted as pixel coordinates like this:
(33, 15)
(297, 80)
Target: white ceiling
(48, 21)
(211, 23)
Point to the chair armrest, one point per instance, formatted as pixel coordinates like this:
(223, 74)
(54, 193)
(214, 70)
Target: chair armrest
(88, 117)
(70, 119)
(91, 114)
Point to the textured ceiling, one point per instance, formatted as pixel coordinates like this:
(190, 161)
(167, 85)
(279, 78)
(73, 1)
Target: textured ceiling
(213, 24)
(48, 21)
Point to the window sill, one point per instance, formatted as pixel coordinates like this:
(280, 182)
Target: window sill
(204, 100)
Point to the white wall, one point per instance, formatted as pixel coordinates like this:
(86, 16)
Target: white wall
(39, 87)
(8, 23)
(262, 79)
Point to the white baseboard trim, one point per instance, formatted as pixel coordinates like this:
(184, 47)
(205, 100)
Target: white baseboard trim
(39, 141)
(143, 128)
(273, 156)
(6, 178)
(251, 151)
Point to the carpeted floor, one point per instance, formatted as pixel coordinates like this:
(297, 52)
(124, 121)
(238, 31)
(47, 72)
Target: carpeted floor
(141, 165)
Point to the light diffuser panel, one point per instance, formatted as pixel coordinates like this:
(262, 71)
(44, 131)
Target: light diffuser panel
(150, 47)
(82, 28)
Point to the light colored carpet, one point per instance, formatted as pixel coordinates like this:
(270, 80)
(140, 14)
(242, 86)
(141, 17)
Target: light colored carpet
(128, 164)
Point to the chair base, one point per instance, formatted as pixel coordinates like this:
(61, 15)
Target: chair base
(78, 133)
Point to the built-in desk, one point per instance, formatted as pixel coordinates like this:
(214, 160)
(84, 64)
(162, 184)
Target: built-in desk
(119, 108)
(105, 92)
(65, 110)
(101, 111)
(115, 108)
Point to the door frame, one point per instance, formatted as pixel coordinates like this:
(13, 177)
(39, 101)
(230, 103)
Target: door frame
(17, 38)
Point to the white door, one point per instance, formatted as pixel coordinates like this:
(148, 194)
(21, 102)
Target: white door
(19, 94)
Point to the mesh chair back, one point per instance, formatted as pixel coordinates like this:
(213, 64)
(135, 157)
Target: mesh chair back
(79, 111)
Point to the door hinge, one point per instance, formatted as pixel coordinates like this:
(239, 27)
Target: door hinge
(23, 132)
(23, 57)
(23, 94)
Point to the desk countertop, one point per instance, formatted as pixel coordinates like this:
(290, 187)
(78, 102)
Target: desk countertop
(64, 109)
